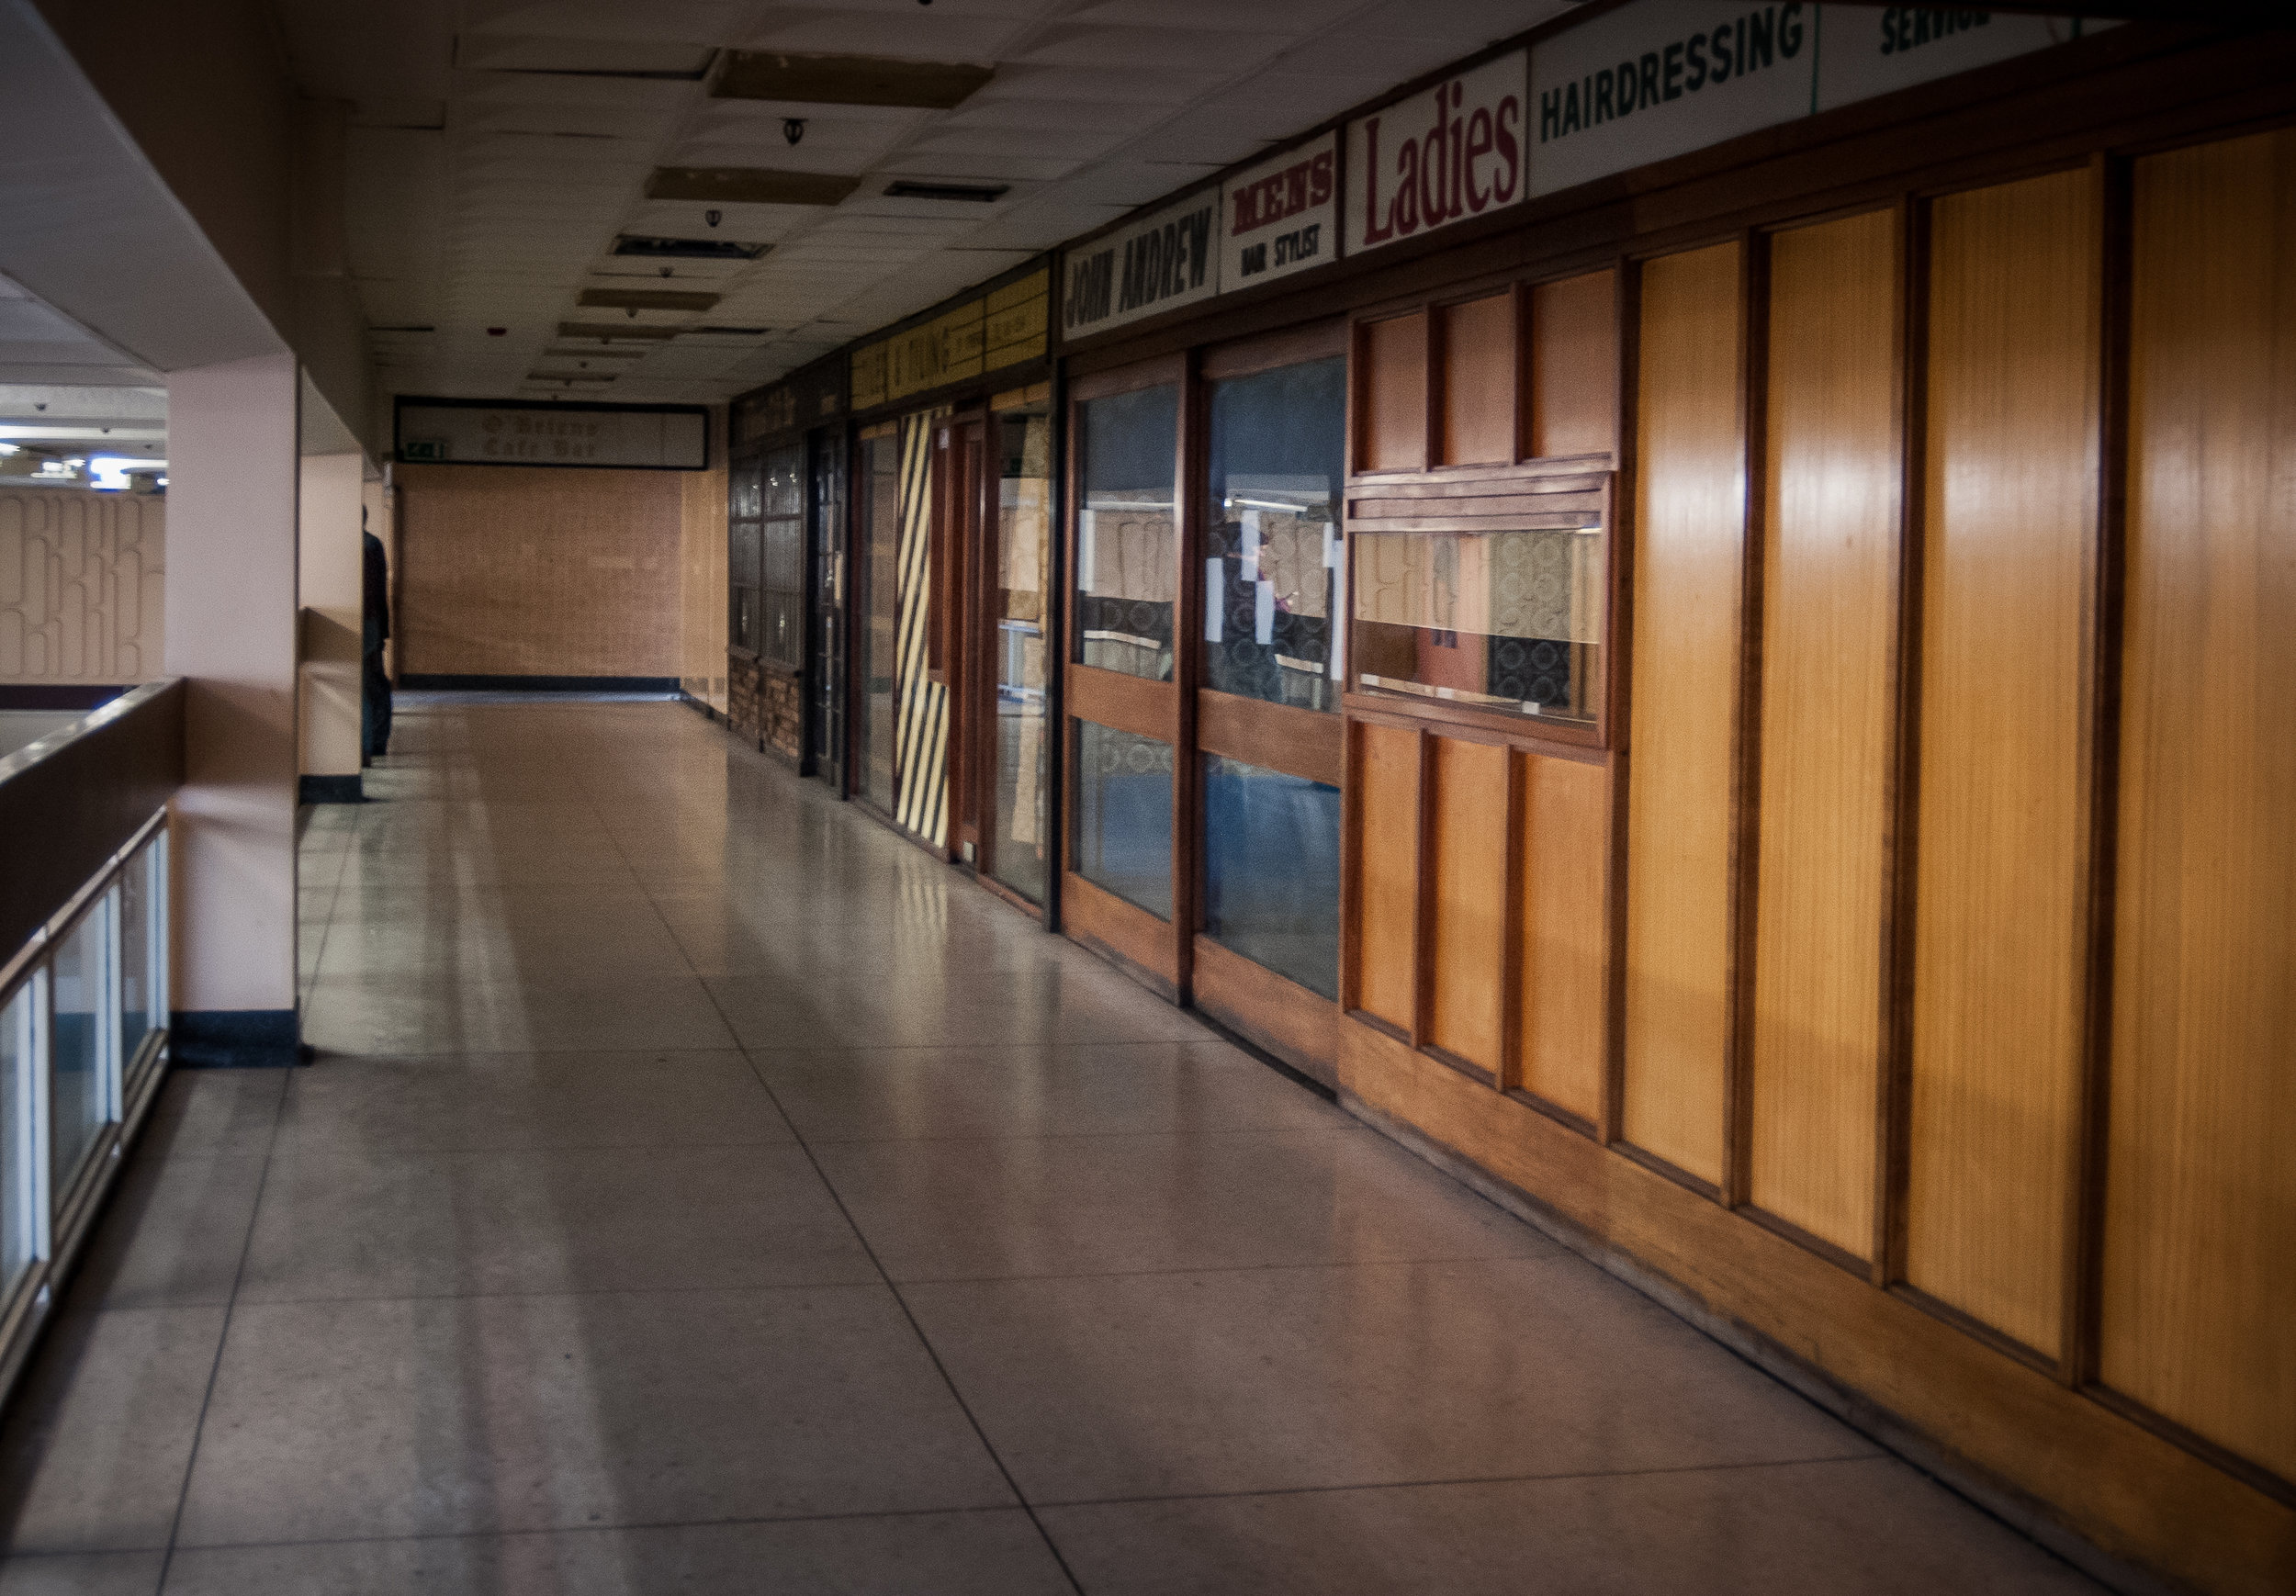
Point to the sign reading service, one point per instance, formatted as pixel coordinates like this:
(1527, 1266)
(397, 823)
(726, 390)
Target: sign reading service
(1281, 216)
(1445, 154)
(1870, 51)
(547, 434)
(1157, 264)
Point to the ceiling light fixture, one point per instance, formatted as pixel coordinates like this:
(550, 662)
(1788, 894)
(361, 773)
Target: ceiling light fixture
(747, 185)
(983, 193)
(848, 79)
(685, 249)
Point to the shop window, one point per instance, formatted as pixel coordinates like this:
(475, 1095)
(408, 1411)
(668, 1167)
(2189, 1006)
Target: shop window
(1507, 617)
(1127, 550)
(1272, 555)
(781, 583)
(745, 502)
(877, 530)
(1121, 801)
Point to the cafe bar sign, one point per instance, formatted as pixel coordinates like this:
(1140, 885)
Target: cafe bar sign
(485, 433)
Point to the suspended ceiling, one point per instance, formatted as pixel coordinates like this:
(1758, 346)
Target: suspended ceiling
(497, 150)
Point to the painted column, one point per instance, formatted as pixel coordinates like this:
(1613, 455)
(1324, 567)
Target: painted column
(332, 585)
(232, 472)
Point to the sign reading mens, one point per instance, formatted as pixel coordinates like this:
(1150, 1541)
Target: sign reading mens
(1151, 266)
(1281, 216)
(1445, 154)
(452, 432)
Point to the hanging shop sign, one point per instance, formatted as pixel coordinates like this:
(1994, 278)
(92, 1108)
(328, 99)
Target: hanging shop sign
(987, 333)
(472, 432)
(1661, 78)
(1281, 216)
(1160, 264)
(1445, 156)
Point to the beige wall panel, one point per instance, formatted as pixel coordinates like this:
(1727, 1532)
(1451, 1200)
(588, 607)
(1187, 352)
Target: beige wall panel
(1387, 867)
(2200, 1276)
(1574, 366)
(514, 570)
(1468, 914)
(1999, 935)
(1689, 560)
(83, 586)
(1565, 841)
(1829, 600)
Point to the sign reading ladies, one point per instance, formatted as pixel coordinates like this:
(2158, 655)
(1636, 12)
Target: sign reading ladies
(1445, 154)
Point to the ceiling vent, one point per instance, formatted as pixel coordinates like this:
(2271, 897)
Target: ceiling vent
(583, 57)
(747, 185)
(847, 80)
(732, 331)
(686, 249)
(635, 300)
(985, 193)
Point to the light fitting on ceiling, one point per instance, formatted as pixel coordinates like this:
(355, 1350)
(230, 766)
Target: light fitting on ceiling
(847, 80)
(983, 193)
(747, 185)
(636, 299)
(643, 247)
(792, 129)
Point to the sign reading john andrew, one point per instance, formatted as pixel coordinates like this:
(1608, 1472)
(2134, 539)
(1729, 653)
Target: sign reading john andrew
(1281, 216)
(1445, 154)
(1155, 265)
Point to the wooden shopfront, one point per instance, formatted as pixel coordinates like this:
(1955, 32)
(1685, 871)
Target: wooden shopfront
(951, 558)
(1812, 728)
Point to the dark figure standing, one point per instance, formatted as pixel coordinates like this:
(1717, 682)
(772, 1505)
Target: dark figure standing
(373, 685)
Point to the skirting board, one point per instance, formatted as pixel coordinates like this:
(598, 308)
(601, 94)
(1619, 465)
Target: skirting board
(664, 684)
(234, 1039)
(351, 789)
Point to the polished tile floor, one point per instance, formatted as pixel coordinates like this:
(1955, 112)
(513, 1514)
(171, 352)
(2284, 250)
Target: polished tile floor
(699, 1189)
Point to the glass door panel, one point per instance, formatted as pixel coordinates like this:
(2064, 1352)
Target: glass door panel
(80, 1033)
(1274, 565)
(1126, 531)
(1016, 852)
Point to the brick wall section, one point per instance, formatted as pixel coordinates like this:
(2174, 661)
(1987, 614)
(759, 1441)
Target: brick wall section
(742, 706)
(782, 712)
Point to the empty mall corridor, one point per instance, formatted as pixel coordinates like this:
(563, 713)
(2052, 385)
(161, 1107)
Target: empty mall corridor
(697, 1188)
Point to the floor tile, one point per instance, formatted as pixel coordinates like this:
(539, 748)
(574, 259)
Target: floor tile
(93, 1453)
(1280, 1379)
(381, 1419)
(991, 1552)
(224, 1112)
(911, 1093)
(345, 1221)
(1872, 1526)
(480, 1101)
(632, 942)
(173, 1234)
(370, 1013)
(1106, 1204)
(978, 1008)
(81, 1574)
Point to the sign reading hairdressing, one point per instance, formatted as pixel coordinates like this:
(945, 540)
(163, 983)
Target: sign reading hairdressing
(1661, 78)
(439, 431)
(1281, 216)
(1169, 260)
(1444, 155)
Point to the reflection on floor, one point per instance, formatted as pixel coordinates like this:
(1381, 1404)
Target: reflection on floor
(701, 1189)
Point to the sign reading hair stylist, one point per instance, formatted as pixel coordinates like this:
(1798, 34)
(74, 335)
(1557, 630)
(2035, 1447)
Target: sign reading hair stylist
(444, 431)
(1444, 155)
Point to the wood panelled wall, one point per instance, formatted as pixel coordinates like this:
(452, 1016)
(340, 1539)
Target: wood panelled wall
(1913, 976)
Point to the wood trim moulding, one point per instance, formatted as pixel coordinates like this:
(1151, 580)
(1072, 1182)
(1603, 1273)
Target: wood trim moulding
(1126, 704)
(1128, 378)
(1307, 743)
(1737, 1063)
(1322, 339)
(2059, 1456)
(1559, 739)
(1270, 1011)
(1125, 934)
